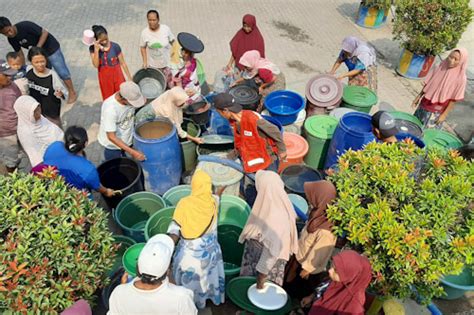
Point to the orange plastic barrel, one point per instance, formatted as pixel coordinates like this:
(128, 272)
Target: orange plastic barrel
(296, 149)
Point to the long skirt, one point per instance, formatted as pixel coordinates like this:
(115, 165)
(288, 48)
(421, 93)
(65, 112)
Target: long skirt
(315, 250)
(110, 79)
(252, 252)
(198, 266)
(367, 78)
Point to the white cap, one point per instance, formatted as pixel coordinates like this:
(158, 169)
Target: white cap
(155, 257)
(131, 92)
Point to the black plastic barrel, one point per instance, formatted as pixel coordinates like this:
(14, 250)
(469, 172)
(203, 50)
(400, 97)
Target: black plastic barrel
(122, 174)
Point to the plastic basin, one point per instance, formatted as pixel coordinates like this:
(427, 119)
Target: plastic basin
(125, 242)
(233, 210)
(159, 222)
(294, 177)
(175, 194)
(284, 105)
(232, 251)
(456, 285)
(402, 136)
(133, 211)
(130, 258)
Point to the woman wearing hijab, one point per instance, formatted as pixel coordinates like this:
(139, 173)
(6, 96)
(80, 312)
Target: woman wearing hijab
(316, 241)
(261, 74)
(270, 234)
(246, 39)
(197, 262)
(170, 105)
(35, 132)
(351, 275)
(444, 86)
(360, 59)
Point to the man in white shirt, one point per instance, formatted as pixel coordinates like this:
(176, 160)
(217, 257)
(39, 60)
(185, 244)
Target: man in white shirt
(117, 122)
(155, 43)
(151, 292)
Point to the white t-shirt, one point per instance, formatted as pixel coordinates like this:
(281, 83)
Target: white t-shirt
(164, 300)
(117, 118)
(158, 46)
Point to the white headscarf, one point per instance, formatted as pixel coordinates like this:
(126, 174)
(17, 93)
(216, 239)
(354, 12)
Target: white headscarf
(359, 49)
(35, 135)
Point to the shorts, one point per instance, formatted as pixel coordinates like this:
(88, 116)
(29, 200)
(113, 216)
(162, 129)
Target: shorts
(9, 151)
(58, 63)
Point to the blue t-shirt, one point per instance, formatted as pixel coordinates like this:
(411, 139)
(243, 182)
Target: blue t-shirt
(352, 63)
(77, 170)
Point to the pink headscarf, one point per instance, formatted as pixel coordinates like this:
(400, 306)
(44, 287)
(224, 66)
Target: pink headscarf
(253, 60)
(444, 84)
(272, 221)
(359, 49)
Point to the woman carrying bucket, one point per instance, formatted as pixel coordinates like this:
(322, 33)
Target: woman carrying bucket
(170, 105)
(359, 58)
(197, 262)
(444, 86)
(270, 234)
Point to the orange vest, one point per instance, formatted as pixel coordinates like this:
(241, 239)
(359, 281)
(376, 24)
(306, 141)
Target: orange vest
(249, 144)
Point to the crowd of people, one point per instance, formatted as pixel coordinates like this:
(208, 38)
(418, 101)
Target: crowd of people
(180, 271)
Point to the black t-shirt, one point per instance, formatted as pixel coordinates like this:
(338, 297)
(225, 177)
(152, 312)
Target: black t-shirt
(41, 89)
(28, 34)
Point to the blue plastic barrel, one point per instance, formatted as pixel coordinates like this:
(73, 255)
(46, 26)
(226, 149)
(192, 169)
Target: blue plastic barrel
(159, 142)
(353, 132)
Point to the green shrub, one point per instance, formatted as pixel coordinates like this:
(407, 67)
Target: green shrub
(409, 211)
(381, 4)
(55, 246)
(428, 27)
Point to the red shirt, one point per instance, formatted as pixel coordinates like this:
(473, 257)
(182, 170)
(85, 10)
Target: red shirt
(266, 75)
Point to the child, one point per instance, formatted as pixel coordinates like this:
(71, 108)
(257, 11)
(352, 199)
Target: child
(45, 86)
(108, 58)
(15, 62)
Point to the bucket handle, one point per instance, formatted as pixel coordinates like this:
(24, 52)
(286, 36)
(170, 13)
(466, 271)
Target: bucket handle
(113, 214)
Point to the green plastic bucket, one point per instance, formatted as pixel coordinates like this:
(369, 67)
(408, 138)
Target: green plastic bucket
(232, 251)
(133, 212)
(456, 285)
(124, 243)
(237, 289)
(318, 131)
(130, 258)
(441, 139)
(175, 194)
(159, 222)
(188, 146)
(359, 98)
(233, 210)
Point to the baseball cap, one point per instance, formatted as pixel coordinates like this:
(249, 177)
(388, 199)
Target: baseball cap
(226, 101)
(131, 92)
(385, 123)
(6, 69)
(155, 257)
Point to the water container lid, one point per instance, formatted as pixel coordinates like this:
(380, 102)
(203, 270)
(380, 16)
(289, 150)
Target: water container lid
(130, 258)
(218, 139)
(296, 145)
(294, 177)
(406, 116)
(237, 289)
(244, 94)
(359, 96)
(441, 139)
(221, 175)
(321, 126)
(324, 90)
(340, 112)
(409, 127)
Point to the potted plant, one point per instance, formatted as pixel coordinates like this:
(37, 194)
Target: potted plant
(408, 210)
(426, 29)
(55, 247)
(373, 13)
